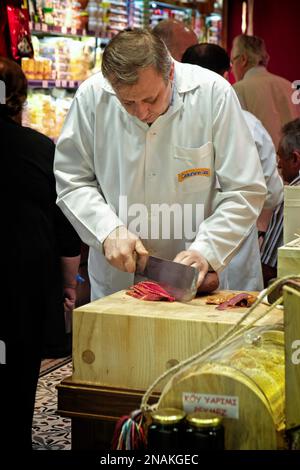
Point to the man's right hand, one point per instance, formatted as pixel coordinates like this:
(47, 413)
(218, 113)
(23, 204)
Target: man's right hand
(124, 250)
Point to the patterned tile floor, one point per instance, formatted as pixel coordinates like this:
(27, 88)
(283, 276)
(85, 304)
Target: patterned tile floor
(50, 431)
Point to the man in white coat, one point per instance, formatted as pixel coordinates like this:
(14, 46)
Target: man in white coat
(241, 273)
(163, 140)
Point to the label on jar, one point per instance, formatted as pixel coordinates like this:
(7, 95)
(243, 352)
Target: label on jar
(226, 406)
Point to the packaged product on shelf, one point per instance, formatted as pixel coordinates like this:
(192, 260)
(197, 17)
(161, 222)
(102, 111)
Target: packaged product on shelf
(33, 10)
(136, 15)
(37, 69)
(46, 112)
(60, 58)
(214, 28)
(49, 16)
(36, 10)
(18, 25)
(60, 13)
(79, 16)
(94, 17)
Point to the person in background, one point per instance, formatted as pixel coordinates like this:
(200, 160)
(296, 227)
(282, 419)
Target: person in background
(176, 35)
(241, 273)
(289, 166)
(42, 259)
(267, 96)
(147, 137)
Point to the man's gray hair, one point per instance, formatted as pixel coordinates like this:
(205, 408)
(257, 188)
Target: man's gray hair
(130, 51)
(290, 138)
(254, 47)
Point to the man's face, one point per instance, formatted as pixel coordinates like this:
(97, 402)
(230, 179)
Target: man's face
(236, 58)
(149, 98)
(288, 166)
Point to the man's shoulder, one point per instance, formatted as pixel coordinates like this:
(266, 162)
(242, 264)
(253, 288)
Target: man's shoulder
(95, 83)
(252, 121)
(189, 77)
(265, 77)
(243, 86)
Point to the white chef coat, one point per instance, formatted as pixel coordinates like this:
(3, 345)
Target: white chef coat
(267, 155)
(104, 153)
(235, 276)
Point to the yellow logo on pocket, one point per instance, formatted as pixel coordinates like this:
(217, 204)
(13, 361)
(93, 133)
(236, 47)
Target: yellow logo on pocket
(193, 172)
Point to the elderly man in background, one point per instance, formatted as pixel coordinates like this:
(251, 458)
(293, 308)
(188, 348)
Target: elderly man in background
(267, 96)
(289, 166)
(176, 35)
(165, 137)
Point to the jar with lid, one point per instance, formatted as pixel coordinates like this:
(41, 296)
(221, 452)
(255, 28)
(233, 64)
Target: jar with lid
(204, 431)
(166, 430)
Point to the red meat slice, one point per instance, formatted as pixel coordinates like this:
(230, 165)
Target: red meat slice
(242, 300)
(149, 290)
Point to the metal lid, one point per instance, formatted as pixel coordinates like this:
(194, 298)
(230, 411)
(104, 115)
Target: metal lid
(203, 420)
(168, 415)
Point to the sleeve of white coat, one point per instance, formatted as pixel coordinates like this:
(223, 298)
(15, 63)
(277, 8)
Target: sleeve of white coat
(79, 194)
(267, 156)
(241, 196)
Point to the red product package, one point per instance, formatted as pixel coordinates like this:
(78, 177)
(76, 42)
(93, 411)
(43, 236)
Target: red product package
(18, 23)
(4, 38)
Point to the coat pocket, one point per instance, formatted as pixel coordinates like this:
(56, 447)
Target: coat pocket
(194, 169)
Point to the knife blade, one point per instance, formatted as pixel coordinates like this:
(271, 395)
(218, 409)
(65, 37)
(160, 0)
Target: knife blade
(177, 279)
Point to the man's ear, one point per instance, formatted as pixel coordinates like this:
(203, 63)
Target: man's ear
(226, 75)
(296, 158)
(171, 76)
(244, 59)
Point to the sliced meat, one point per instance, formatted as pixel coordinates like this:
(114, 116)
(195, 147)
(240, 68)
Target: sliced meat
(240, 300)
(149, 290)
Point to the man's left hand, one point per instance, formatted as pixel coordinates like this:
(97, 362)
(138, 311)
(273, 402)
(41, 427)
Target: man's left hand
(70, 298)
(193, 258)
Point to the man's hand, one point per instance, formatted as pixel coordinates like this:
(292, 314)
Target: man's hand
(70, 298)
(124, 250)
(193, 258)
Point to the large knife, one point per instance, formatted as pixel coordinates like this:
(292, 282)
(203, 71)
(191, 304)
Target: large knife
(178, 280)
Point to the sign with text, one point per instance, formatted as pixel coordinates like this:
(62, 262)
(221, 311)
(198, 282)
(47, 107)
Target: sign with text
(226, 406)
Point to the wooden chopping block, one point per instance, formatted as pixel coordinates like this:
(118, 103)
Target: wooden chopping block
(120, 341)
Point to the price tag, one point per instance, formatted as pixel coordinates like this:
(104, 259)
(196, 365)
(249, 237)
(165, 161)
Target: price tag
(45, 83)
(57, 83)
(71, 84)
(64, 83)
(64, 29)
(222, 405)
(73, 31)
(44, 27)
(37, 27)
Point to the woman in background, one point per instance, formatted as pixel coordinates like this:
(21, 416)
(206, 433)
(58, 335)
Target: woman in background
(42, 258)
